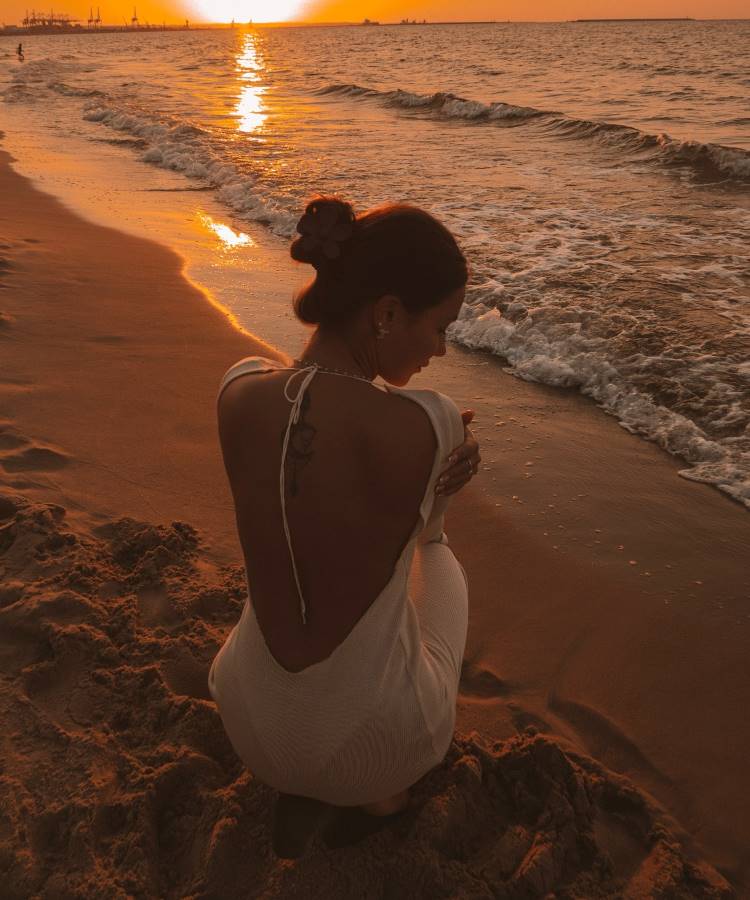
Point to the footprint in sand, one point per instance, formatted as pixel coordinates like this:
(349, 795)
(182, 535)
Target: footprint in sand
(62, 688)
(480, 682)
(10, 593)
(156, 609)
(7, 536)
(21, 644)
(8, 507)
(186, 675)
(34, 458)
(10, 438)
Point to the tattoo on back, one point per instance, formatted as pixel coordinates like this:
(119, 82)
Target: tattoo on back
(299, 452)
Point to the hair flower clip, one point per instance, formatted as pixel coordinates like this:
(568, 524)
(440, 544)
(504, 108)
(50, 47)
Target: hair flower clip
(321, 231)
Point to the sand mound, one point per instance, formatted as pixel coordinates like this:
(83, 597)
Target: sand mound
(117, 779)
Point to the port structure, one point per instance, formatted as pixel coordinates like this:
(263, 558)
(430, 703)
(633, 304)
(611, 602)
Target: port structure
(42, 20)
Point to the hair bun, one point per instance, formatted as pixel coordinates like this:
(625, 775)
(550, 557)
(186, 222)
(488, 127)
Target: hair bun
(324, 228)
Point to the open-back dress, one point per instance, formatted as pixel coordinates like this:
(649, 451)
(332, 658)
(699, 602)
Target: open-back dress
(377, 714)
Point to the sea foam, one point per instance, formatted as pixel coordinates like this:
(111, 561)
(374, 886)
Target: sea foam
(557, 350)
(187, 148)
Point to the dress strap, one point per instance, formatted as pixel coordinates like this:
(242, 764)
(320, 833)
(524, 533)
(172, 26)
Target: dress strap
(296, 402)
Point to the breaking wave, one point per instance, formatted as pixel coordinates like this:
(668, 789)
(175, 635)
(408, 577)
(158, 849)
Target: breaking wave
(706, 160)
(190, 149)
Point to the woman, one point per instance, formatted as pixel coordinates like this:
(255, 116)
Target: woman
(339, 682)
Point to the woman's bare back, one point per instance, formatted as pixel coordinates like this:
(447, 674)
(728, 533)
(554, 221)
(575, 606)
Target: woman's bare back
(357, 467)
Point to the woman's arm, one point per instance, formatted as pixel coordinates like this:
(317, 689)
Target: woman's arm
(463, 463)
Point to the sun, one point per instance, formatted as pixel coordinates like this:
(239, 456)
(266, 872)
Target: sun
(246, 10)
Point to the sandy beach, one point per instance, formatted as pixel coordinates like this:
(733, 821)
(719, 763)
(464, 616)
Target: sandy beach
(602, 725)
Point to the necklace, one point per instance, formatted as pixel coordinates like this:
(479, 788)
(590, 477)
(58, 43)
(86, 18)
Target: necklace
(300, 363)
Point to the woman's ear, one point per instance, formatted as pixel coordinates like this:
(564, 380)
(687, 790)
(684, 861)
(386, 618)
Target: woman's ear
(385, 307)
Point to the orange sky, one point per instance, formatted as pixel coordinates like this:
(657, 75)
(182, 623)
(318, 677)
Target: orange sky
(113, 11)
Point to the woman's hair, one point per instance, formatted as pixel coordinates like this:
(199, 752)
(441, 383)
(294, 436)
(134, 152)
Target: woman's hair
(393, 249)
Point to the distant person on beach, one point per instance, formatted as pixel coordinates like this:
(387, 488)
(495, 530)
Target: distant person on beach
(338, 685)
(19, 52)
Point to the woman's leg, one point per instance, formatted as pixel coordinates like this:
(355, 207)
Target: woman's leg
(439, 591)
(389, 806)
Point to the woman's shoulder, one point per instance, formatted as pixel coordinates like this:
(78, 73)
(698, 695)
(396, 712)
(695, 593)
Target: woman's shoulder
(442, 412)
(424, 396)
(248, 365)
(411, 426)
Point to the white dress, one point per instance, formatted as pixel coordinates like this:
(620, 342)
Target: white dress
(378, 713)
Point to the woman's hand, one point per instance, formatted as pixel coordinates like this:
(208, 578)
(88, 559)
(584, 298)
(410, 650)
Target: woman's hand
(463, 463)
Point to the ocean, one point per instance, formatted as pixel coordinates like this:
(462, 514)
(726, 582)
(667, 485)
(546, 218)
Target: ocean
(596, 174)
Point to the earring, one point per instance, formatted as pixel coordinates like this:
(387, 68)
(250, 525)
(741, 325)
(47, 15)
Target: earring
(382, 332)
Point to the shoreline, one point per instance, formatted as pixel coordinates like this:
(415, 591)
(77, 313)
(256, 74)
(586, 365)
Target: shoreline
(634, 682)
(116, 477)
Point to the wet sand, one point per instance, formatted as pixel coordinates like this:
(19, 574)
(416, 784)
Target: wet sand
(601, 727)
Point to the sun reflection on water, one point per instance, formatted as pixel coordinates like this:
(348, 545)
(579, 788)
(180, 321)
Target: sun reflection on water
(250, 107)
(228, 236)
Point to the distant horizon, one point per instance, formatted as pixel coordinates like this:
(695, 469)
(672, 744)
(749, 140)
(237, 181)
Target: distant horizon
(293, 13)
(299, 23)
(318, 23)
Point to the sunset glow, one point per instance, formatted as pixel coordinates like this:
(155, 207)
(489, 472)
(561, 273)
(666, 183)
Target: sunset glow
(245, 10)
(260, 11)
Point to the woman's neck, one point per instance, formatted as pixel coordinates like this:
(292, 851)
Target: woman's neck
(336, 351)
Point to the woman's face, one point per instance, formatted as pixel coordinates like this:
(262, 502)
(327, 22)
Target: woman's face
(414, 339)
